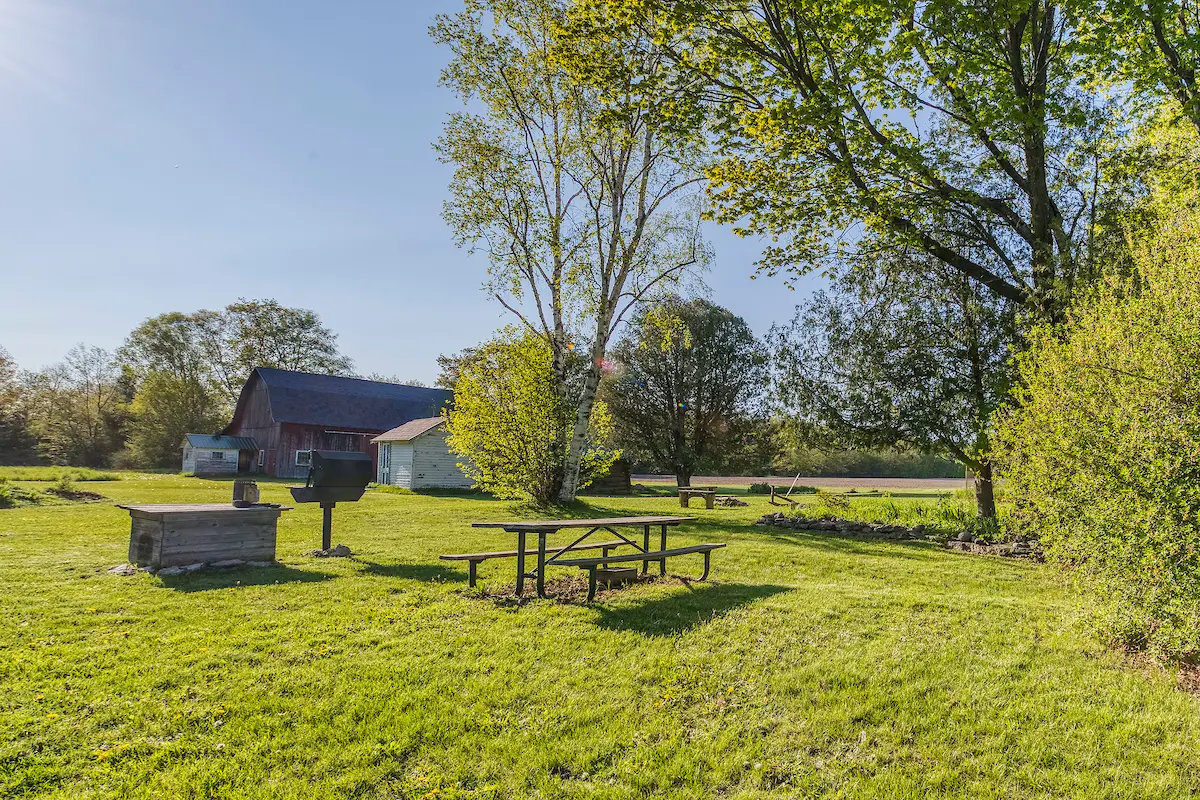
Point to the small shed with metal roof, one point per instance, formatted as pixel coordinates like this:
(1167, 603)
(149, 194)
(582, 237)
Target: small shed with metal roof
(416, 455)
(204, 454)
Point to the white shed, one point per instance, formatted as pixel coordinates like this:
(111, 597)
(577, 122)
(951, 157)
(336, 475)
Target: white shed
(219, 455)
(416, 456)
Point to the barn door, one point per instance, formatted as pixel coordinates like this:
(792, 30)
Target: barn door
(243, 461)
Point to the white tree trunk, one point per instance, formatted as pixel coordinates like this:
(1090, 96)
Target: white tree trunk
(583, 419)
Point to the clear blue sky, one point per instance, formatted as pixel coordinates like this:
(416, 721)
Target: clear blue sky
(175, 155)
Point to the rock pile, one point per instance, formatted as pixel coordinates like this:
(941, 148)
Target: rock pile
(337, 551)
(1019, 548)
(729, 500)
(877, 529)
(963, 542)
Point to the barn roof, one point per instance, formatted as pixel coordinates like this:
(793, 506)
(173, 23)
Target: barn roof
(220, 442)
(410, 430)
(348, 403)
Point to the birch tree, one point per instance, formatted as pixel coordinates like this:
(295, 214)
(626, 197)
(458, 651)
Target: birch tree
(579, 192)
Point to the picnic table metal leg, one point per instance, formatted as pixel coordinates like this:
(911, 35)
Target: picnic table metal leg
(662, 565)
(592, 583)
(541, 567)
(645, 547)
(471, 566)
(520, 563)
(707, 554)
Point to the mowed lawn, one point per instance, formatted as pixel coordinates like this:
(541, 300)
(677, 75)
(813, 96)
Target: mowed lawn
(810, 666)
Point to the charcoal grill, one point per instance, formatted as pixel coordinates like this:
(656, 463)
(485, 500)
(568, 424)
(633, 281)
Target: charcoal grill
(333, 477)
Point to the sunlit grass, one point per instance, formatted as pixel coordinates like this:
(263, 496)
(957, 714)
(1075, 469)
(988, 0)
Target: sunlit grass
(810, 666)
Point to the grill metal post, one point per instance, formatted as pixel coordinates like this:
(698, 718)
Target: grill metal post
(327, 525)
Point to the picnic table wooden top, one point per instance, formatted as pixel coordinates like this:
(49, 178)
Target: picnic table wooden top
(559, 524)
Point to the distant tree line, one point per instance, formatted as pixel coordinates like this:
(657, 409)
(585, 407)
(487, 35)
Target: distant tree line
(175, 373)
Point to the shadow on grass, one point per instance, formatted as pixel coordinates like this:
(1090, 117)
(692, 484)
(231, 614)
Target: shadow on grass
(831, 541)
(211, 579)
(672, 615)
(415, 572)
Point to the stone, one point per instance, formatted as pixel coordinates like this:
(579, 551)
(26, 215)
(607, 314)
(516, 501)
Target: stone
(965, 536)
(229, 562)
(124, 569)
(261, 563)
(168, 572)
(917, 530)
(337, 551)
(193, 567)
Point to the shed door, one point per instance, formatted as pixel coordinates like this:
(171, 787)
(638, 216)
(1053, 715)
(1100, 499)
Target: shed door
(385, 464)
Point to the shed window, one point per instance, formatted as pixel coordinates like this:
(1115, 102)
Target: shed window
(303, 458)
(218, 455)
(262, 458)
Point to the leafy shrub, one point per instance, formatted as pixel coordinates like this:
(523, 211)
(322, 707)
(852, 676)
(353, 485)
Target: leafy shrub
(7, 500)
(1101, 452)
(511, 425)
(759, 488)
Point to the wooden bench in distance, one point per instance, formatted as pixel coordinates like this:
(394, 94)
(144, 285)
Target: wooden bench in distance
(474, 559)
(592, 564)
(686, 493)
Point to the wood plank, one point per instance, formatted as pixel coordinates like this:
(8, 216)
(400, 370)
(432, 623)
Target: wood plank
(559, 524)
(653, 555)
(514, 553)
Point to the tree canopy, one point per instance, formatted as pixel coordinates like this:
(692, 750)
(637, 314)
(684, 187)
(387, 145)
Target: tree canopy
(686, 388)
(914, 355)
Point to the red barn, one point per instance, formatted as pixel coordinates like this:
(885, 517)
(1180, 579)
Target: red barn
(289, 414)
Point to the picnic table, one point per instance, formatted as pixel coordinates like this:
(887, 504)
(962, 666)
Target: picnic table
(708, 493)
(543, 528)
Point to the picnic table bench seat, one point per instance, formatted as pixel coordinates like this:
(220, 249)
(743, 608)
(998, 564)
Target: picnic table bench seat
(475, 559)
(592, 564)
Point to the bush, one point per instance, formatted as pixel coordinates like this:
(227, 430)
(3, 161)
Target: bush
(759, 488)
(1101, 455)
(511, 425)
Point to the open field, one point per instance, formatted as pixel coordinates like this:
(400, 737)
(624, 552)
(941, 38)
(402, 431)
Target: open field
(812, 666)
(882, 484)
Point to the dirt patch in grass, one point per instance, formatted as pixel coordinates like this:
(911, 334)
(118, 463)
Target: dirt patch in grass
(76, 495)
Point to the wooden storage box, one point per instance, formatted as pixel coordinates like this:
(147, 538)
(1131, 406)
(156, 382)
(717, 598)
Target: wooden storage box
(177, 535)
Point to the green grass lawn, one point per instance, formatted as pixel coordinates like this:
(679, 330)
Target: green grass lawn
(811, 666)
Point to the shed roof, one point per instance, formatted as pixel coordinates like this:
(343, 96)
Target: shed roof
(304, 398)
(220, 442)
(410, 430)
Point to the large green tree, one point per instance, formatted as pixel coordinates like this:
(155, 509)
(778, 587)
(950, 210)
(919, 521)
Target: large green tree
(78, 407)
(686, 388)
(1152, 46)
(914, 355)
(960, 130)
(576, 189)
(16, 440)
(188, 368)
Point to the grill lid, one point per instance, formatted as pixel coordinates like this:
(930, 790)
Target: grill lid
(331, 468)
